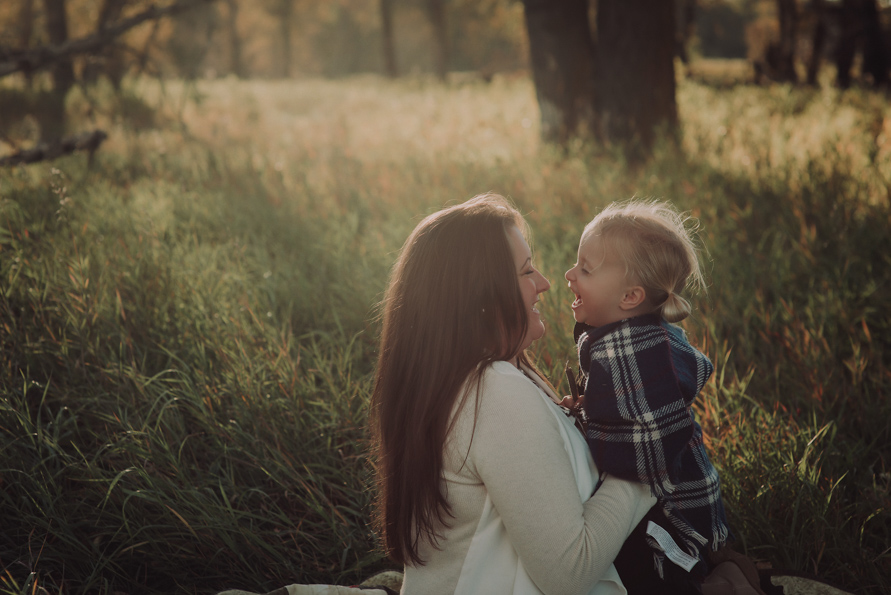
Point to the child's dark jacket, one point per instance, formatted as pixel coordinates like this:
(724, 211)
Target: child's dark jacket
(640, 377)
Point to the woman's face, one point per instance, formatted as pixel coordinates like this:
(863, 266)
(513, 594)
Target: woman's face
(532, 284)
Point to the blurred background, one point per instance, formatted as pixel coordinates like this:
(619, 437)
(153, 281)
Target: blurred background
(201, 200)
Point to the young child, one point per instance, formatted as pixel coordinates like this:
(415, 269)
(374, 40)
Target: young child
(640, 377)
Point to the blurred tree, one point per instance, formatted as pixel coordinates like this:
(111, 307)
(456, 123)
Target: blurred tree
(189, 43)
(236, 59)
(283, 12)
(686, 28)
(875, 48)
(57, 31)
(53, 120)
(389, 46)
(634, 80)
(784, 67)
(818, 41)
(561, 53)
(32, 59)
(109, 60)
(48, 107)
(25, 24)
(720, 28)
(437, 15)
(622, 88)
(861, 30)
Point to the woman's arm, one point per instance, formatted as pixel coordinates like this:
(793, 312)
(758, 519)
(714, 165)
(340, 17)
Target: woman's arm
(518, 453)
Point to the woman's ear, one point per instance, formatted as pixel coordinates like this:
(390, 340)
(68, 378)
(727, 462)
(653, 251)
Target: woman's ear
(634, 297)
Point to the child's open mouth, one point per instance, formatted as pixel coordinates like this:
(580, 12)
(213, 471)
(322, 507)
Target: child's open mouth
(577, 302)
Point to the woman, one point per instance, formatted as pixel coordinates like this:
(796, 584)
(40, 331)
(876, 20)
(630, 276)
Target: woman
(484, 484)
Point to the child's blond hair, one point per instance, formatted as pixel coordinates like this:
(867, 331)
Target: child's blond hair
(656, 243)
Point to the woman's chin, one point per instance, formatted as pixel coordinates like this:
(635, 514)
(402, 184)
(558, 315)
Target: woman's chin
(532, 335)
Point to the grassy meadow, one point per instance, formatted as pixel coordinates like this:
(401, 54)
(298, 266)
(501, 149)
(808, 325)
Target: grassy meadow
(188, 322)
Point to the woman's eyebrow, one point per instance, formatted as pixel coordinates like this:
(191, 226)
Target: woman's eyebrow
(525, 262)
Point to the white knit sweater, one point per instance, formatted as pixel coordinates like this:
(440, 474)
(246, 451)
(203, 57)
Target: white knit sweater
(520, 464)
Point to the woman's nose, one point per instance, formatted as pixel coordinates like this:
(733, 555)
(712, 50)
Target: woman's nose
(544, 285)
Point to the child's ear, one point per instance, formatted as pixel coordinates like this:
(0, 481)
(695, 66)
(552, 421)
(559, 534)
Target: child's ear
(634, 296)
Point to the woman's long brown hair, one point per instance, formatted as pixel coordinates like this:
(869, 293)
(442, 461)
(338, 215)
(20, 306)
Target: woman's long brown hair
(452, 306)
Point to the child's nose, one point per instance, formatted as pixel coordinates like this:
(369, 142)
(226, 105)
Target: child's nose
(568, 275)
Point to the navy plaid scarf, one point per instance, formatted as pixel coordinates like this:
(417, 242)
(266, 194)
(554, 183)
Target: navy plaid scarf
(640, 377)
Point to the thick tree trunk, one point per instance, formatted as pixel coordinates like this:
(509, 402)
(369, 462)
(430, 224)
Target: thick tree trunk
(818, 41)
(846, 48)
(875, 52)
(561, 52)
(787, 12)
(634, 80)
(436, 14)
(389, 47)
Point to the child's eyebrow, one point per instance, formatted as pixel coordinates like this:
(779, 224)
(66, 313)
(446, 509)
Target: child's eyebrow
(589, 263)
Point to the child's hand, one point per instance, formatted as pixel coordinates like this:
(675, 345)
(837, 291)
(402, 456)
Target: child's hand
(576, 399)
(571, 402)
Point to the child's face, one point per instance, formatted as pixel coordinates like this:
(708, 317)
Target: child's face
(599, 283)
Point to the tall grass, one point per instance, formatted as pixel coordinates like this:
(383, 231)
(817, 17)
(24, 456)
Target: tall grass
(188, 326)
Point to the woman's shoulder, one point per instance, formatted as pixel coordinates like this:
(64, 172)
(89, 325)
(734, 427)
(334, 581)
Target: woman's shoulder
(507, 391)
(504, 377)
(502, 369)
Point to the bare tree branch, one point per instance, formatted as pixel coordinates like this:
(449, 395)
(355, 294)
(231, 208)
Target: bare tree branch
(39, 58)
(85, 141)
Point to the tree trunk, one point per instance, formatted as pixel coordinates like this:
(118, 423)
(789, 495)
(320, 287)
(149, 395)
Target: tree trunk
(57, 31)
(634, 79)
(236, 60)
(52, 123)
(818, 42)
(561, 53)
(114, 65)
(788, 17)
(875, 53)
(283, 10)
(436, 14)
(389, 47)
(687, 29)
(25, 20)
(846, 48)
